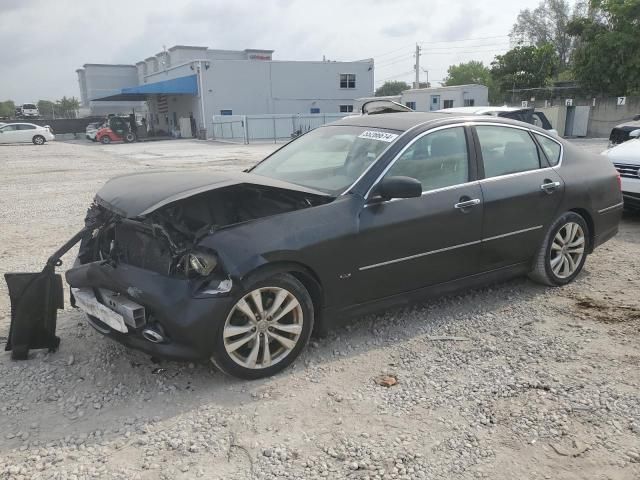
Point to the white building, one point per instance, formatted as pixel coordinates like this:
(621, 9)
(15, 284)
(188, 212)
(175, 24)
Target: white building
(436, 98)
(187, 80)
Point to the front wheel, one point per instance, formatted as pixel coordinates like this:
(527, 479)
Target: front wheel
(563, 251)
(38, 140)
(105, 140)
(265, 330)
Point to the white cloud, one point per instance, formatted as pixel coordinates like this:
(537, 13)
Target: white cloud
(43, 42)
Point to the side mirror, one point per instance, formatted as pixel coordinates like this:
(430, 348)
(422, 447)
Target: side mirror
(635, 134)
(398, 187)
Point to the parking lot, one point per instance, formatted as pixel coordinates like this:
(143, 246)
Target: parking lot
(510, 381)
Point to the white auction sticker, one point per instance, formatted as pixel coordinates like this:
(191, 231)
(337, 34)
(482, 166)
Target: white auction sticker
(380, 136)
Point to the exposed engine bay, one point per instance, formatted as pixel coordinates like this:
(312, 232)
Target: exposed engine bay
(164, 241)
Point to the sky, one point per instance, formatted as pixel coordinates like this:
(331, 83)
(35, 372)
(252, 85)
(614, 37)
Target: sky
(43, 42)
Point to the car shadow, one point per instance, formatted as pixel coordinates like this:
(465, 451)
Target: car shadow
(93, 383)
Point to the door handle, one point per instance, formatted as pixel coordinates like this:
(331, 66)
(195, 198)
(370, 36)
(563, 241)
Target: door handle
(467, 203)
(549, 186)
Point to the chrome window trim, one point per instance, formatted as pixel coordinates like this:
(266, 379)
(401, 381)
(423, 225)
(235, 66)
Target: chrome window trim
(385, 151)
(446, 249)
(466, 123)
(406, 147)
(505, 125)
(612, 207)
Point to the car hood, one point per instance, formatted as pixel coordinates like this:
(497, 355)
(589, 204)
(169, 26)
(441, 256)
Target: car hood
(627, 152)
(139, 194)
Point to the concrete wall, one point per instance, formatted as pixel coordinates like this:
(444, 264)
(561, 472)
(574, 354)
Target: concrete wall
(606, 114)
(422, 96)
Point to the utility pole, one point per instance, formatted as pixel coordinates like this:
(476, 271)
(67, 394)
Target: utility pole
(417, 66)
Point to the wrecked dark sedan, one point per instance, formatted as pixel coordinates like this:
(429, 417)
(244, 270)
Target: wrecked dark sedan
(362, 214)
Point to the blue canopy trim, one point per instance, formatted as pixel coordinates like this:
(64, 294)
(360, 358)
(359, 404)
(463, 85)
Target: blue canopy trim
(176, 86)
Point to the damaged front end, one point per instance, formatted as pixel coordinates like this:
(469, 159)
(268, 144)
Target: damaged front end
(148, 281)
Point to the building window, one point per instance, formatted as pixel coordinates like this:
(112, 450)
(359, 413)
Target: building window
(469, 102)
(447, 104)
(226, 112)
(411, 105)
(346, 108)
(347, 80)
(315, 110)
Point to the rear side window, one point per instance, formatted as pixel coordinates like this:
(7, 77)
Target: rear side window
(507, 150)
(551, 149)
(26, 127)
(437, 160)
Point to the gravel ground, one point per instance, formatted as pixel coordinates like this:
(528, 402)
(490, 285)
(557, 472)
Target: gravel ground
(509, 381)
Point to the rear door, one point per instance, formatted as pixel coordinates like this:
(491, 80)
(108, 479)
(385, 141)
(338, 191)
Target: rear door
(26, 132)
(521, 192)
(406, 244)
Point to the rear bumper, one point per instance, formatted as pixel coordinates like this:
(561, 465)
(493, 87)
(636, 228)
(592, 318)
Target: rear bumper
(189, 323)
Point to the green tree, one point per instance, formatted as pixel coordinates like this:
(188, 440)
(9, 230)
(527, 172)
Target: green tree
(67, 107)
(548, 24)
(46, 108)
(392, 88)
(7, 109)
(467, 73)
(607, 59)
(472, 72)
(524, 67)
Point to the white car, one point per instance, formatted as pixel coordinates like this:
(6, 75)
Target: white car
(527, 115)
(25, 132)
(626, 159)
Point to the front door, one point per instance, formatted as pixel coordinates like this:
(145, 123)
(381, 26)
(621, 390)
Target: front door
(521, 195)
(435, 103)
(406, 244)
(9, 134)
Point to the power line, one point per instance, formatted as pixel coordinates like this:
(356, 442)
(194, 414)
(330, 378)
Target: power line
(464, 40)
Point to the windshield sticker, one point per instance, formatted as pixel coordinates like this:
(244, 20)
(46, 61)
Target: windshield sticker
(380, 136)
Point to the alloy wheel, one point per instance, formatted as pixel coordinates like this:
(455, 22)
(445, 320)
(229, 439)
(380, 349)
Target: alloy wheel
(263, 327)
(567, 250)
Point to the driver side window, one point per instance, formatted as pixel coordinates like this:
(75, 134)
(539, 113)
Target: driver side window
(437, 160)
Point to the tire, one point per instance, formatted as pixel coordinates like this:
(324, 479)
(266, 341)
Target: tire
(129, 138)
(253, 333)
(565, 238)
(38, 140)
(105, 140)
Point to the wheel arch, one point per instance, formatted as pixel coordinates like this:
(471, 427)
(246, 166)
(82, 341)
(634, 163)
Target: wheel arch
(584, 213)
(304, 274)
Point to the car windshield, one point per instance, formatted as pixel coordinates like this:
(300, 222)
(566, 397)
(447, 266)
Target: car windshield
(29, 106)
(328, 159)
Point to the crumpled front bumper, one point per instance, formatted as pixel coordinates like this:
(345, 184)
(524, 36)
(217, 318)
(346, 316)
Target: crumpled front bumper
(189, 323)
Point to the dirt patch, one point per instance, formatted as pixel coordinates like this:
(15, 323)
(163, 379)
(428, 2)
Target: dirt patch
(606, 311)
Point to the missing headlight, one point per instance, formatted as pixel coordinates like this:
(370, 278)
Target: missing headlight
(203, 263)
(198, 262)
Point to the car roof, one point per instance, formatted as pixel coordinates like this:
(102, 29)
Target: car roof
(407, 120)
(480, 110)
(394, 121)
(21, 123)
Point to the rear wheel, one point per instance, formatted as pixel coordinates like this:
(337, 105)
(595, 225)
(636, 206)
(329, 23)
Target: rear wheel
(38, 140)
(563, 251)
(265, 330)
(105, 139)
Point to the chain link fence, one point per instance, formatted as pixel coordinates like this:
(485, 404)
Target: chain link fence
(267, 128)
